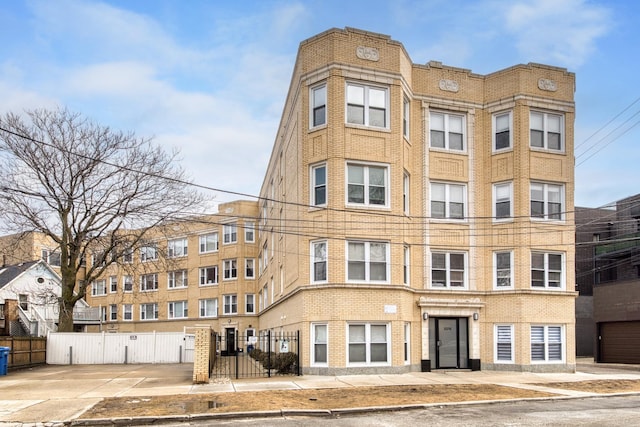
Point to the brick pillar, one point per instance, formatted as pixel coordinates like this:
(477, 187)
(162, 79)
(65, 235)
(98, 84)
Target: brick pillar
(202, 354)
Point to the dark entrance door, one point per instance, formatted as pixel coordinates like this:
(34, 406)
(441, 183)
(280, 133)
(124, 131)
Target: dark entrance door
(449, 342)
(230, 342)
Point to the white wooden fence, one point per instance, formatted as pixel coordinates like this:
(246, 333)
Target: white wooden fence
(117, 348)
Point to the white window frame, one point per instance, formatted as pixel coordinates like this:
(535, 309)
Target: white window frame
(127, 282)
(406, 117)
(499, 189)
(203, 310)
(207, 240)
(547, 270)
(503, 334)
(368, 343)
(317, 102)
(249, 268)
(546, 343)
(177, 248)
(144, 282)
(446, 119)
(127, 312)
(230, 304)
(229, 271)
(448, 270)
(319, 258)
(148, 253)
(319, 342)
(250, 299)
(406, 193)
(249, 231)
(366, 184)
(127, 256)
(367, 260)
(366, 104)
(448, 187)
(203, 276)
(406, 265)
(495, 130)
(103, 314)
(177, 279)
(113, 312)
(230, 233)
(113, 284)
(99, 288)
(143, 311)
(498, 275)
(407, 343)
(546, 188)
(316, 186)
(546, 130)
(178, 309)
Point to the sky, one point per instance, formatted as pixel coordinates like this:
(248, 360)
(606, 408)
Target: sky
(210, 77)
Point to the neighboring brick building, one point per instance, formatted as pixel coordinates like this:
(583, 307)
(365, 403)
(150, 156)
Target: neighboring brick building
(416, 217)
(609, 269)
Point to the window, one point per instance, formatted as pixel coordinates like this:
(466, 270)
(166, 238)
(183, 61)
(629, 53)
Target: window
(103, 314)
(113, 312)
(127, 283)
(208, 242)
(149, 282)
(368, 344)
(99, 287)
(503, 352)
(319, 185)
(502, 206)
(502, 131)
(448, 270)
(230, 233)
(177, 248)
(407, 343)
(547, 201)
(546, 131)
(208, 307)
(99, 259)
(149, 311)
(250, 303)
(367, 185)
(178, 310)
(546, 344)
(230, 268)
(127, 312)
(249, 268)
(406, 112)
(318, 103)
(319, 340)
(405, 193)
(447, 131)
(113, 284)
(448, 201)
(177, 279)
(367, 261)
(319, 261)
(366, 105)
(230, 304)
(51, 257)
(265, 254)
(503, 262)
(547, 270)
(406, 257)
(148, 253)
(127, 256)
(265, 296)
(249, 231)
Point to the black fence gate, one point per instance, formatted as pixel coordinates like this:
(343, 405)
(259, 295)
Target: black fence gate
(266, 355)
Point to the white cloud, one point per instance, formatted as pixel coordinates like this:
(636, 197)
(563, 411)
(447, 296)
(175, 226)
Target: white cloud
(560, 32)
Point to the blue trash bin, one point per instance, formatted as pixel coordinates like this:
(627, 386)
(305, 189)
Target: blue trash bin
(4, 359)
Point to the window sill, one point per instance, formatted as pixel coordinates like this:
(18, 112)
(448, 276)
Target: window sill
(365, 127)
(448, 151)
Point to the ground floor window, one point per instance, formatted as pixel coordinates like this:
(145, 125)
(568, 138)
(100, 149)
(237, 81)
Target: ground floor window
(368, 344)
(319, 340)
(503, 344)
(546, 344)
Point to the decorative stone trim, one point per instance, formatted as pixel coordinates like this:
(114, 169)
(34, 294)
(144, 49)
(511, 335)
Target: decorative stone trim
(546, 84)
(449, 85)
(368, 53)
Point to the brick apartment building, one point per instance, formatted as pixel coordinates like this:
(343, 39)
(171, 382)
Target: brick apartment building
(412, 217)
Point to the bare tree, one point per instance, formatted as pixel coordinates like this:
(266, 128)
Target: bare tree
(89, 188)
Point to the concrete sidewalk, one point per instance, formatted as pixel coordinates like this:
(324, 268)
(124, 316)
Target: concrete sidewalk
(61, 393)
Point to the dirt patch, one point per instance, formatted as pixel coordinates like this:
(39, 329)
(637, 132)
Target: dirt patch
(599, 386)
(356, 397)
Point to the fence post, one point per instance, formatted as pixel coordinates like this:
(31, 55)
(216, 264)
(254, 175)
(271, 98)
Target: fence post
(298, 353)
(269, 354)
(237, 353)
(70, 355)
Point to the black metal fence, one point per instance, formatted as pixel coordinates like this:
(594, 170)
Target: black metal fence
(266, 355)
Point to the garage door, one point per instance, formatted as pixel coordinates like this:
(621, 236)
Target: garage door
(620, 342)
